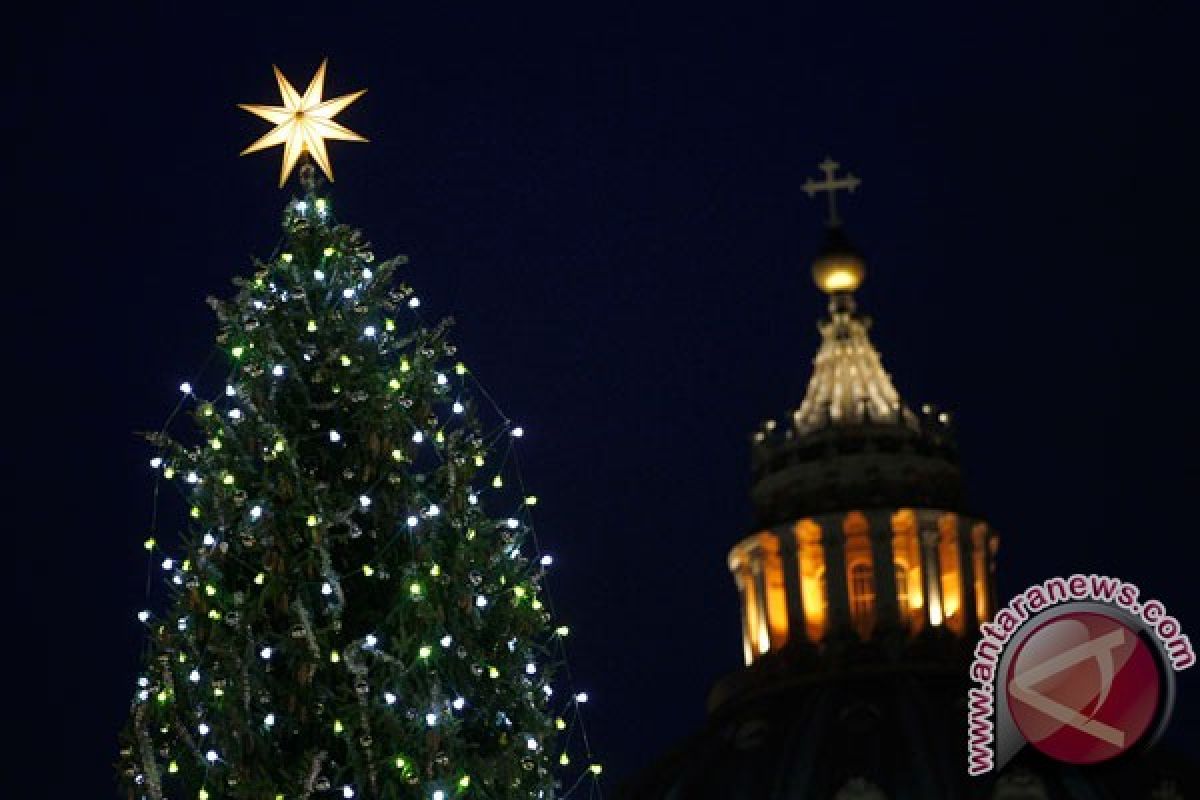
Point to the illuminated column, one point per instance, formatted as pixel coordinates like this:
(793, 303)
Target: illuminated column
(966, 569)
(789, 552)
(993, 544)
(762, 633)
(833, 539)
(741, 578)
(886, 604)
(929, 569)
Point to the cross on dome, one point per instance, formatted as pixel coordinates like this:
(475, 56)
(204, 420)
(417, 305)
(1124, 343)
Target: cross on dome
(831, 185)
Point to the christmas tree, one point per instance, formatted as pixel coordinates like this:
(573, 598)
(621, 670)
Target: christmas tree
(355, 607)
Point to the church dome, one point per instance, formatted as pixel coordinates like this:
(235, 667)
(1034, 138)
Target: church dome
(862, 587)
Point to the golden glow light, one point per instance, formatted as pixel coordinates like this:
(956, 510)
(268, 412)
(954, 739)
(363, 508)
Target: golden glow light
(303, 123)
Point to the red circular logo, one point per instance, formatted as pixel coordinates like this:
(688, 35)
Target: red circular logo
(1083, 688)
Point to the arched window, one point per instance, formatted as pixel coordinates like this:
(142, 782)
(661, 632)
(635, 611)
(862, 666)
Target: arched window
(902, 591)
(862, 598)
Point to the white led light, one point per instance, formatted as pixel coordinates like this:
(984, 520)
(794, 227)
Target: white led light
(447, 640)
(418, 437)
(256, 512)
(364, 501)
(277, 370)
(203, 728)
(442, 379)
(182, 624)
(480, 601)
(512, 523)
(269, 720)
(143, 616)
(412, 521)
(347, 293)
(167, 563)
(518, 432)
(259, 305)
(194, 676)
(192, 477)
(318, 275)
(531, 668)
(389, 698)
(334, 436)
(143, 695)
(369, 331)
(431, 719)
(458, 703)
(473, 498)
(370, 640)
(143, 681)
(209, 540)
(347, 791)
(438, 794)
(547, 560)
(156, 462)
(230, 391)
(367, 274)
(531, 743)
(235, 413)
(581, 697)
(301, 206)
(265, 653)
(414, 302)
(185, 387)
(212, 755)
(434, 510)
(326, 589)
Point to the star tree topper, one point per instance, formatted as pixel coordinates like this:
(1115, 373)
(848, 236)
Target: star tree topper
(303, 123)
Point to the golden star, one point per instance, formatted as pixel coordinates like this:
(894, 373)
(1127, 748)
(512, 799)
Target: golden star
(303, 123)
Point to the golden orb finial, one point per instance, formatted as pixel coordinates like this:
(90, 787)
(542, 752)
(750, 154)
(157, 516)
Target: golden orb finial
(839, 267)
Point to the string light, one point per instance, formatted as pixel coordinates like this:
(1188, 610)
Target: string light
(228, 456)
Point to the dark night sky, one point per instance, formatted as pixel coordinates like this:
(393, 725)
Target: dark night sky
(609, 203)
